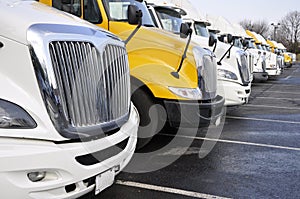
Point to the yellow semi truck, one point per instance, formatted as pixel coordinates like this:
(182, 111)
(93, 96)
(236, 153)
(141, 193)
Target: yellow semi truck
(288, 60)
(171, 80)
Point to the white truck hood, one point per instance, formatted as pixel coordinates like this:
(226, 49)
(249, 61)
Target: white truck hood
(16, 16)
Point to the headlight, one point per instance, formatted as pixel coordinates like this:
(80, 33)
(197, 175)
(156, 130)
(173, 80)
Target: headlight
(189, 93)
(13, 116)
(227, 74)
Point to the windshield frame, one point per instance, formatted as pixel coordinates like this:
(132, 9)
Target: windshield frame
(175, 18)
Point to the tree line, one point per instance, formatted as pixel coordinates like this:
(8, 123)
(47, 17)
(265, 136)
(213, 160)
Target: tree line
(287, 33)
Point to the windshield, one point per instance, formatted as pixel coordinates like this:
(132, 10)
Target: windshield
(170, 20)
(251, 44)
(259, 46)
(117, 10)
(214, 35)
(201, 29)
(238, 43)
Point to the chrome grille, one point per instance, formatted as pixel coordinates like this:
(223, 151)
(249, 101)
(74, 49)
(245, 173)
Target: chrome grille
(244, 70)
(278, 62)
(209, 75)
(93, 87)
(251, 63)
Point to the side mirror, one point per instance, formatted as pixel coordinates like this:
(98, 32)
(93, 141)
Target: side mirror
(134, 15)
(229, 38)
(212, 41)
(185, 30)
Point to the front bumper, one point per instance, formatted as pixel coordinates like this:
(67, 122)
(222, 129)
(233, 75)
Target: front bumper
(235, 94)
(61, 162)
(273, 71)
(260, 76)
(195, 114)
(288, 64)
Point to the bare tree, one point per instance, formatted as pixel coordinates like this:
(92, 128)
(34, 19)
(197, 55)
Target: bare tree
(260, 27)
(289, 31)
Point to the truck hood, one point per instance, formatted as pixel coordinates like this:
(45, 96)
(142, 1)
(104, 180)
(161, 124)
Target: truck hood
(17, 16)
(153, 38)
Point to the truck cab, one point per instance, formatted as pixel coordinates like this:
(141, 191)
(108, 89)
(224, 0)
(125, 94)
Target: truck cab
(234, 56)
(257, 59)
(64, 132)
(181, 91)
(279, 56)
(288, 61)
(169, 16)
(273, 67)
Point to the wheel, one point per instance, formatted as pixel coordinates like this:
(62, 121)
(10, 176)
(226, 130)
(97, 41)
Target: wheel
(152, 116)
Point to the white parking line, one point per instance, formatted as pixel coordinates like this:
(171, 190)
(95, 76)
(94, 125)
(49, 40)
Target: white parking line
(168, 190)
(262, 84)
(282, 92)
(236, 142)
(287, 78)
(274, 107)
(262, 120)
(278, 98)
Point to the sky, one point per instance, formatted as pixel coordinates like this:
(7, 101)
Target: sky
(238, 10)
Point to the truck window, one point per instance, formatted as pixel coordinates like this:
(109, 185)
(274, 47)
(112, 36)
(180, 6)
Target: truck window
(251, 44)
(170, 19)
(70, 6)
(116, 10)
(91, 12)
(259, 46)
(201, 29)
(238, 43)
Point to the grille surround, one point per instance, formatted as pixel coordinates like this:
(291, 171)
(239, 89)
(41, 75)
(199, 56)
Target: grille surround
(207, 72)
(243, 68)
(208, 85)
(74, 90)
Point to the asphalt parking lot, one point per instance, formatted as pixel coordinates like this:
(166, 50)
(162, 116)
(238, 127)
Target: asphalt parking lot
(256, 156)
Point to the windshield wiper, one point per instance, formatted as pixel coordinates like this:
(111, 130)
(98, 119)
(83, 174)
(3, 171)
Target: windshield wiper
(148, 25)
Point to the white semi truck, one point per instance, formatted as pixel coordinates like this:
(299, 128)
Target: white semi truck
(233, 79)
(257, 59)
(67, 125)
(273, 61)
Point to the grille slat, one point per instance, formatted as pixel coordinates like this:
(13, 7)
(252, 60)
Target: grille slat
(93, 86)
(74, 82)
(80, 84)
(69, 72)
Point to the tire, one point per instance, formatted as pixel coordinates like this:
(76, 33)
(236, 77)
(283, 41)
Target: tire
(152, 115)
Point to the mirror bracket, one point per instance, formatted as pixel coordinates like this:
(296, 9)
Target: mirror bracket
(134, 18)
(228, 51)
(188, 32)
